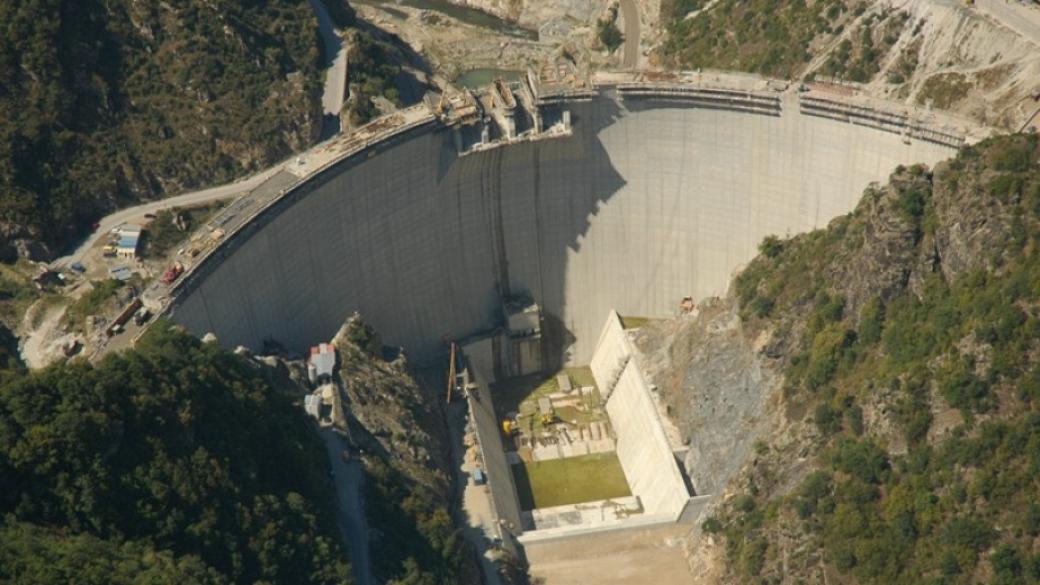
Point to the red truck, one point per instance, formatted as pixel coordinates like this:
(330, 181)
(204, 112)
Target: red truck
(172, 273)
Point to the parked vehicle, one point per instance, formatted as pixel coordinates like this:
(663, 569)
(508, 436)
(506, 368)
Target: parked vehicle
(78, 267)
(141, 316)
(172, 273)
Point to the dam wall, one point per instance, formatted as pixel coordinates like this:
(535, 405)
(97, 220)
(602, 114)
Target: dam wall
(647, 201)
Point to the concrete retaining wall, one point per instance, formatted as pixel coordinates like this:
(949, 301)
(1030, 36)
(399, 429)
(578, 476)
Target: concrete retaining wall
(612, 353)
(643, 448)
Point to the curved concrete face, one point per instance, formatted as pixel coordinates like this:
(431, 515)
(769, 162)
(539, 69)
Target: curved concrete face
(646, 203)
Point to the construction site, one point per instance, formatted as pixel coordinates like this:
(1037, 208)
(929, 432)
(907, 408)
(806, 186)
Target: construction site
(516, 224)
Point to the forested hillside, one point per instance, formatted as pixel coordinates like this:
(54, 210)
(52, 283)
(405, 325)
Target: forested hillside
(908, 338)
(106, 102)
(408, 489)
(177, 462)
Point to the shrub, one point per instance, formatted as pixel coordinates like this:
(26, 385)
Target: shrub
(609, 34)
(771, 246)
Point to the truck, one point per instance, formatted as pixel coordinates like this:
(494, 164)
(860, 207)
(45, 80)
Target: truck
(172, 273)
(141, 316)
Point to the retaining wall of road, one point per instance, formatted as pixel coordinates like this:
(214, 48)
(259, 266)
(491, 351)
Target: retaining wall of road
(649, 200)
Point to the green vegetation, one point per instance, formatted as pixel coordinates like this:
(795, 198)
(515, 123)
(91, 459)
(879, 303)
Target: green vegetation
(103, 103)
(521, 395)
(175, 462)
(341, 13)
(372, 72)
(943, 90)
(941, 508)
(609, 34)
(420, 543)
(860, 61)
(634, 322)
(162, 234)
(762, 36)
(559, 482)
(407, 491)
(91, 303)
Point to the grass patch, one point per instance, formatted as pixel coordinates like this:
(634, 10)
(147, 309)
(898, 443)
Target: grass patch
(634, 322)
(511, 395)
(559, 482)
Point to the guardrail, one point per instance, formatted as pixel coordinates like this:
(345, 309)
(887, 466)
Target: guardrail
(888, 121)
(718, 98)
(362, 144)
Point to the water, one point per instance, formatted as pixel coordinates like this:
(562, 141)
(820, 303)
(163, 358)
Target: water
(463, 14)
(482, 77)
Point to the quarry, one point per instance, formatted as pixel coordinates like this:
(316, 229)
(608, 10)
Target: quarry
(525, 230)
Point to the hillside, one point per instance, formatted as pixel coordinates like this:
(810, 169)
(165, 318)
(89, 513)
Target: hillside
(105, 104)
(175, 462)
(408, 487)
(897, 436)
(931, 54)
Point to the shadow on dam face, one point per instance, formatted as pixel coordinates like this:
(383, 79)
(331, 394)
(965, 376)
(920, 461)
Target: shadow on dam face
(645, 203)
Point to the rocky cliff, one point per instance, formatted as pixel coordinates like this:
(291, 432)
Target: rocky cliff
(402, 433)
(866, 396)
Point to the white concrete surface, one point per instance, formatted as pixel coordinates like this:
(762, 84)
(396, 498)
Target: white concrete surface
(611, 355)
(646, 203)
(642, 447)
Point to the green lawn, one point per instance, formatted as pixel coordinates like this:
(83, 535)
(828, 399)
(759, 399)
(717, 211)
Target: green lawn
(634, 322)
(559, 482)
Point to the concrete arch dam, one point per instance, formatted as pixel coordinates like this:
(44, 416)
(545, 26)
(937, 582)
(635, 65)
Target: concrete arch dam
(646, 202)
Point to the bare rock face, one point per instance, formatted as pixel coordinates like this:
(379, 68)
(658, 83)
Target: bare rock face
(970, 230)
(876, 257)
(716, 384)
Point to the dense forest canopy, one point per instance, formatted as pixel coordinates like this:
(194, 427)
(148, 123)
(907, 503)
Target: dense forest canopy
(177, 457)
(104, 102)
(909, 336)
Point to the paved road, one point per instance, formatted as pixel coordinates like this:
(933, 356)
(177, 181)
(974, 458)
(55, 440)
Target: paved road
(630, 12)
(350, 514)
(336, 76)
(188, 199)
(332, 103)
(1023, 19)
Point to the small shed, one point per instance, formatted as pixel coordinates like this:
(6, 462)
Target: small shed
(129, 238)
(323, 361)
(120, 273)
